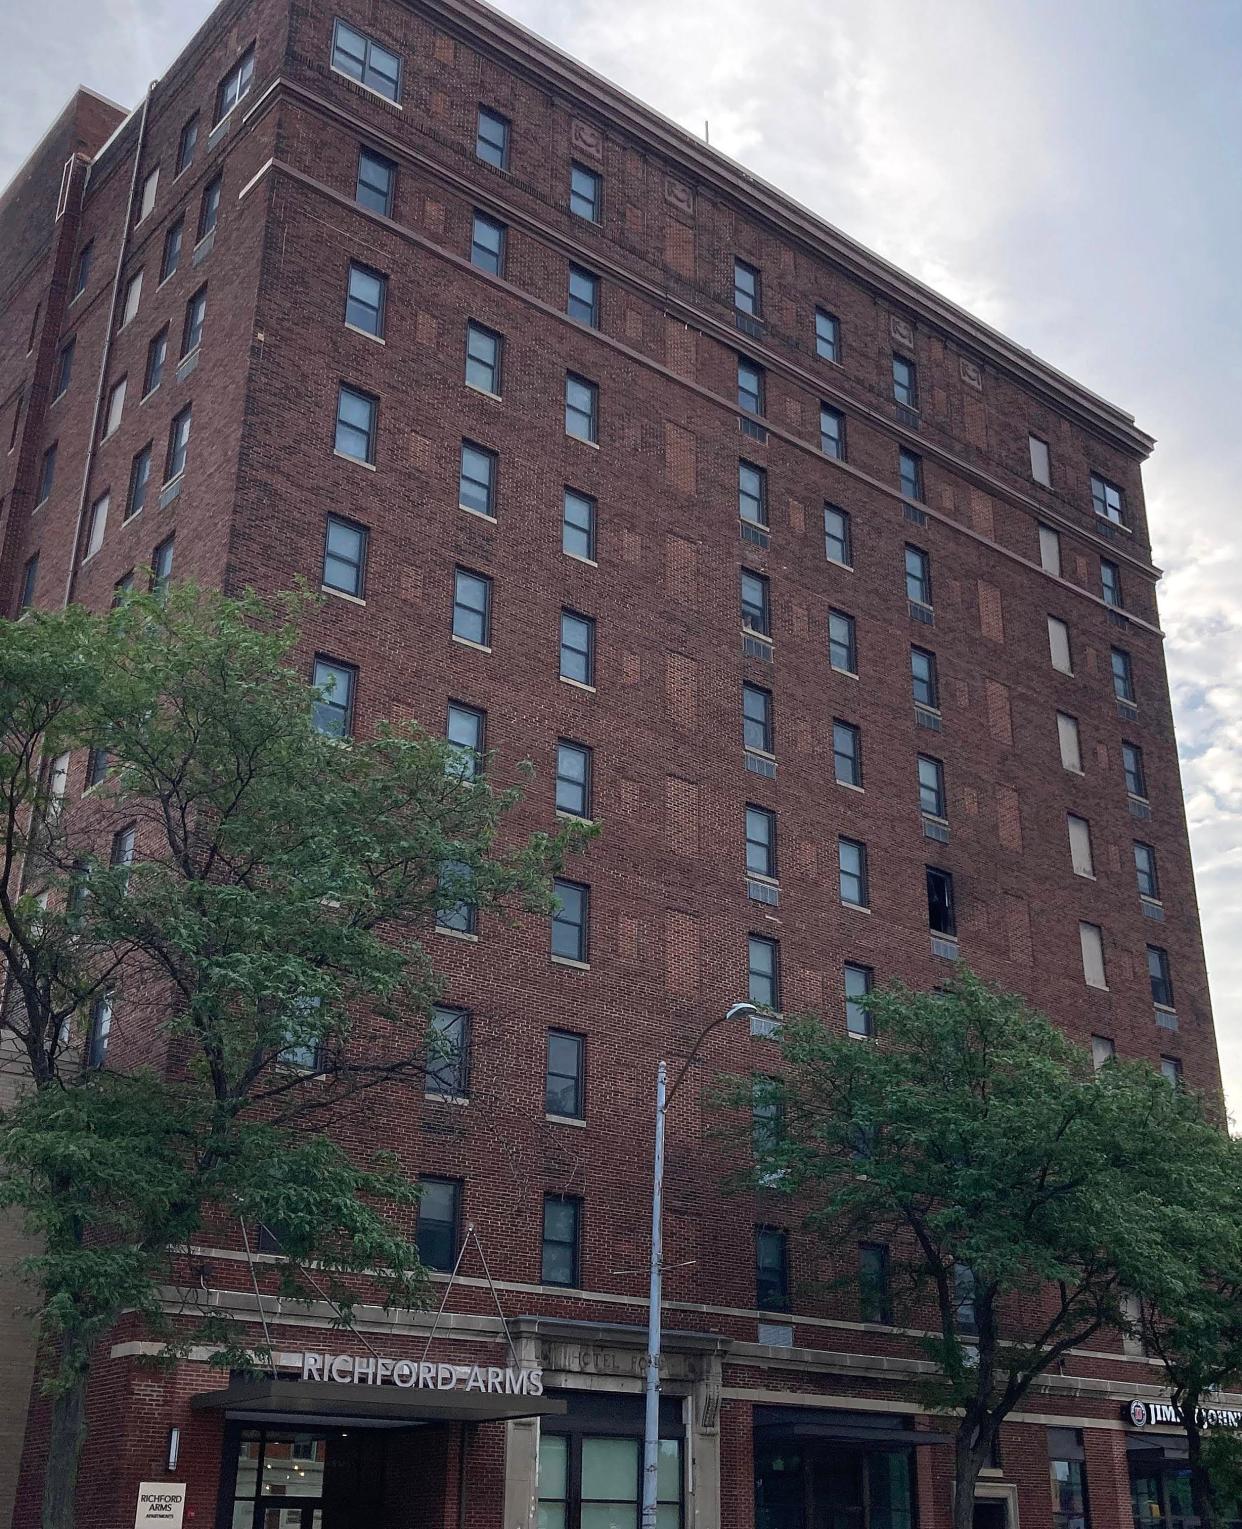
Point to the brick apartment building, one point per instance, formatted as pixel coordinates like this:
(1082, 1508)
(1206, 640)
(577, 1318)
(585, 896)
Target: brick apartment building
(394, 297)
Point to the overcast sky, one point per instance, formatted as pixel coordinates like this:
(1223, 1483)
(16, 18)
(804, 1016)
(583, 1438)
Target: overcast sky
(1067, 169)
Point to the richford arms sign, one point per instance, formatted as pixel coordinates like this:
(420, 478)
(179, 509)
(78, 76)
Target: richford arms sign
(410, 1374)
(1152, 1414)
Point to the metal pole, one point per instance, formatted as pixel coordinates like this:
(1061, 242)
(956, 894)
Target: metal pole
(651, 1425)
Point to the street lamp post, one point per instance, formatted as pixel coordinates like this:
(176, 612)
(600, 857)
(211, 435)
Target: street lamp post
(651, 1422)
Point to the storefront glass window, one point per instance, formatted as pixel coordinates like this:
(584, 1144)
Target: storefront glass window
(1069, 1495)
(588, 1482)
(809, 1486)
(888, 1477)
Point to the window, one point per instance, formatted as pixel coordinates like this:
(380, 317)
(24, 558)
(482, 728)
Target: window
(123, 586)
(483, 352)
(858, 983)
(771, 1269)
(1123, 676)
(1103, 1049)
(96, 525)
(99, 1028)
(376, 183)
(157, 354)
(1091, 939)
(905, 382)
(941, 913)
(847, 753)
(931, 787)
(918, 576)
(448, 1051)
(195, 315)
(752, 493)
(30, 580)
(838, 546)
(149, 186)
(333, 710)
(763, 981)
(910, 474)
(1108, 499)
(1059, 645)
(82, 274)
(1171, 1070)
(923, 679)
(364, 60)
(162, 566)
(465, 731)
(139, 478)
(563, 1082)
(487, 244)
(761, 843)
(472, 607)
(852, 872)
(578, 526)
(187, 142)
(47, 474)
(491, 138)
(457, 911)
(562, 1230)
(746, 288)
(1041, 463)
(571, 921)
(832, 432)
(757, 719)
(116, 405)
(1067, 737)
(1050, 550)
(767, 1126)
(476, 480)
(577, 648)
(366, 296)
(1145, 868)
(344, 556)
(209, 208)
(827, 336)
(583, 300)
(356, 416)
(1136, 776)
(304, 1055)
(178, 444)
(586, 193)
(1110, 583)
(1080, 845)
(749, 386)
(573, 779)
(1161, 980)
(842, 648)
(122, 852)
(590, 1483)
(581, 408)
(234, 85)
(96, 768)
(756, 610)
(64, 369)
(439, 1223)
(875, 1298)
(171, 257)
(967, 1321)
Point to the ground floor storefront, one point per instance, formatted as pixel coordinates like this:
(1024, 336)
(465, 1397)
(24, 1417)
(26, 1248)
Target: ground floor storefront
(541, 1428)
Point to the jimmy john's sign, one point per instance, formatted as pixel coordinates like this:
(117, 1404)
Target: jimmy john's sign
(412, 1374)
(1164, 1414)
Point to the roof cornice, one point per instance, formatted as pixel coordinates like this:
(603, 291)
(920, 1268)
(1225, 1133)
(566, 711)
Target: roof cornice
(481, 26)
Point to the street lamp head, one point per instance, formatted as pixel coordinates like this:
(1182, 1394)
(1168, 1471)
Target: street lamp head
(741, 1011)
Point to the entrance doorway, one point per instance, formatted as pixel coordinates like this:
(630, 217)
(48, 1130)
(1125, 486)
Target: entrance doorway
(991, 1513)
(330, 1478)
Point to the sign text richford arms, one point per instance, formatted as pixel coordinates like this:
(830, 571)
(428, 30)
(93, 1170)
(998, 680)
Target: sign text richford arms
(410, 1374)
(1152, 1414)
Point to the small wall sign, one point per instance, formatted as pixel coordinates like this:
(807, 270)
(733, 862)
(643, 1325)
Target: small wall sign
(160, 1503)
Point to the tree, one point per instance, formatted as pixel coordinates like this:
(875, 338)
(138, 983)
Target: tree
(1018, 1189)
(235, 913)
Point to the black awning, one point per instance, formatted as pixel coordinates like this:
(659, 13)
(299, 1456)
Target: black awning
(1156, 1448)
(862, 1430)
(311, 1399)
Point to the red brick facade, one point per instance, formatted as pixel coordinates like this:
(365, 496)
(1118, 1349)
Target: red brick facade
(670, 910)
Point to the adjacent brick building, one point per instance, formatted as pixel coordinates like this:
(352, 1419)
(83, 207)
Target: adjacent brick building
(395, 298)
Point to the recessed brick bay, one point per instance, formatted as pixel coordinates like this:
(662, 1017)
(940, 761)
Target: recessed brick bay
(893, 533)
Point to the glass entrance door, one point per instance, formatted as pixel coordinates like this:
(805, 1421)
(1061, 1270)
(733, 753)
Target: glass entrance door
(309, 1479)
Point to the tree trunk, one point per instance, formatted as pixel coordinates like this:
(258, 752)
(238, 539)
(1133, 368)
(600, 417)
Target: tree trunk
(968, 1460)
(1202, 1496)
(64, 1451)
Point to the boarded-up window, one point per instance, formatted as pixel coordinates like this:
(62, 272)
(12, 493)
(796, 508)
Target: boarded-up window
(1067, 735)
(1041, 463)
(1080, 845)
(1050, 550)
(1059, 645)
(1092, 941)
